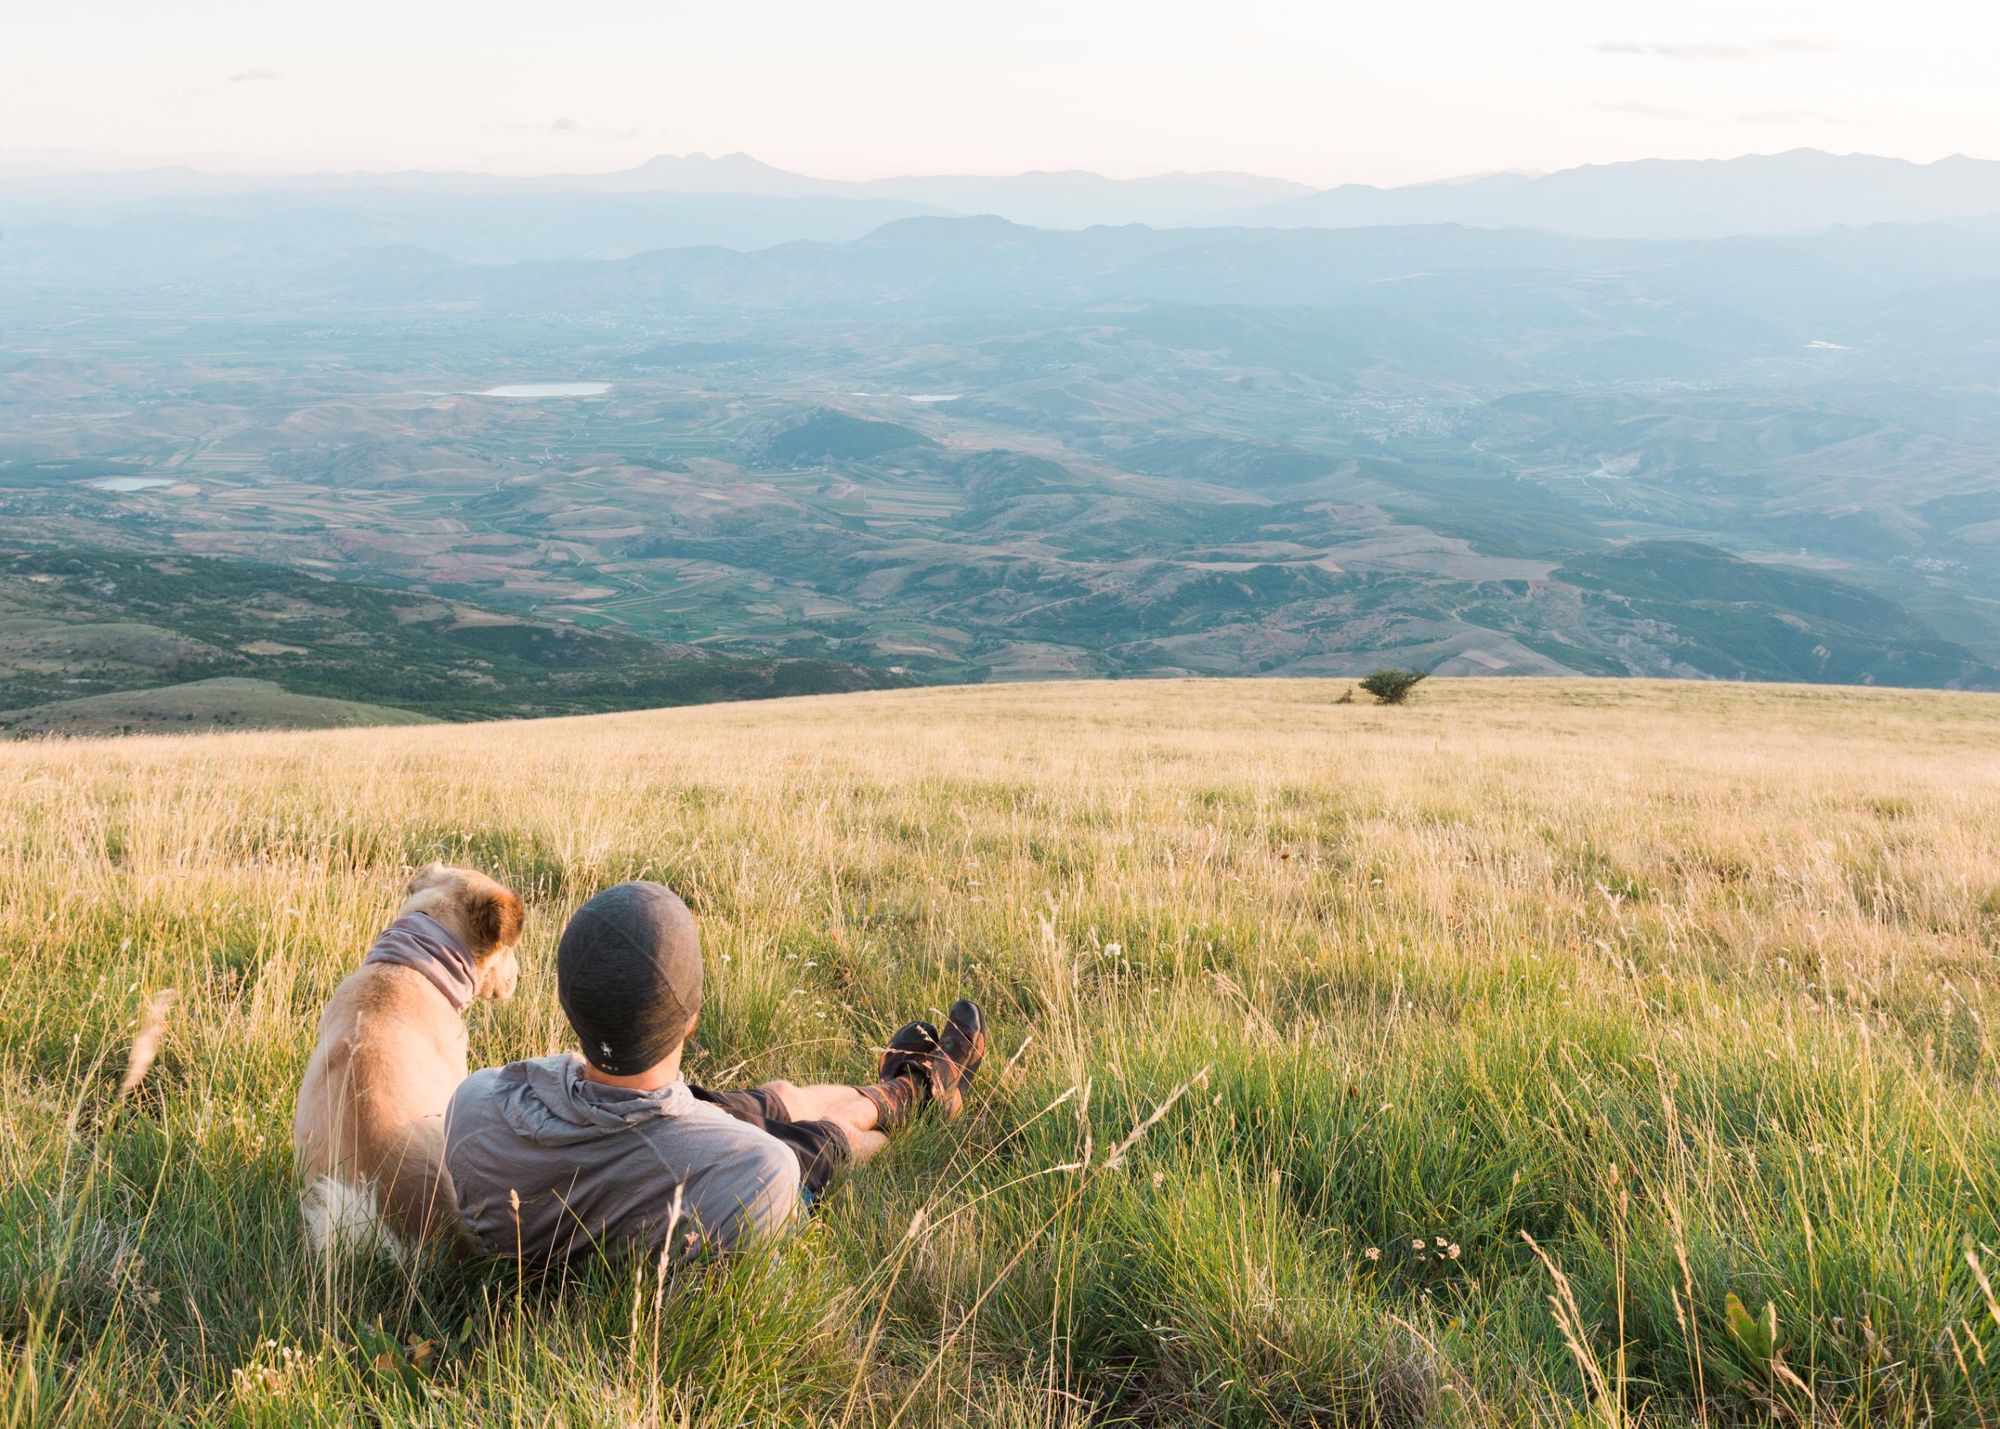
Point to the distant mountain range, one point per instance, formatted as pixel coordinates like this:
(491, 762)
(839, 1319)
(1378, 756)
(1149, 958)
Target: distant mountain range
(1885, 300)
(1801, 192)
(1068, 199)
(1072, 198)
(736, 201)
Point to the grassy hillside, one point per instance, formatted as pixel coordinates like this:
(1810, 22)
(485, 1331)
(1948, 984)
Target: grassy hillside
(226, 702)
(824, 435)
(1309, 1016)
(1735, 619)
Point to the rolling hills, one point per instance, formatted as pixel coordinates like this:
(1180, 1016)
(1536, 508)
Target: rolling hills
(218, 703)
(113, 641)
(963, 448)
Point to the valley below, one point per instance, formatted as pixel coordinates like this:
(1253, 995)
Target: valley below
(961, 449)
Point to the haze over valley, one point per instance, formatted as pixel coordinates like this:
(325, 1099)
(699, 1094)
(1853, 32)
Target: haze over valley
(1706, 419)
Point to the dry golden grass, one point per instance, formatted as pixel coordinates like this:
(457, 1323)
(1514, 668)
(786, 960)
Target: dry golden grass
(1691, 983)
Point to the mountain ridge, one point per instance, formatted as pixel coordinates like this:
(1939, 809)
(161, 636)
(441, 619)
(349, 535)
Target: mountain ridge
(1796, 191)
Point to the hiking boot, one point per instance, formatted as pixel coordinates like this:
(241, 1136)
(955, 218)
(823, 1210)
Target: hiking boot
(922, 1065)
(961, 1048)
(903, 1082)
(913, 1043)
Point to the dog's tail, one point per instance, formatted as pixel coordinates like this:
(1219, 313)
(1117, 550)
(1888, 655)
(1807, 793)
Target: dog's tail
(342, 1221)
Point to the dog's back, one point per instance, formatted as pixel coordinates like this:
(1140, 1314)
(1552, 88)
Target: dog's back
(368, 1135)
(369, 1132)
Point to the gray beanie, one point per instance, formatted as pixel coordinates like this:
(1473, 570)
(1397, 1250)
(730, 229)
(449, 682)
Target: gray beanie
(628, 975)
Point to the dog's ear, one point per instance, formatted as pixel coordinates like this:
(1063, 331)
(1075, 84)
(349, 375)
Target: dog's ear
(429, 876)
(495, 916)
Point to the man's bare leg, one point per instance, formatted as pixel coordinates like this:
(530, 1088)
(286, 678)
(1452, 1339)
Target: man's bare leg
(845, 1107)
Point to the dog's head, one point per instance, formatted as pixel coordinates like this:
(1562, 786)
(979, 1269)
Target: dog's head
(484, 914)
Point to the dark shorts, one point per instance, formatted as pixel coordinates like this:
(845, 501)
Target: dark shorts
(819, 1145)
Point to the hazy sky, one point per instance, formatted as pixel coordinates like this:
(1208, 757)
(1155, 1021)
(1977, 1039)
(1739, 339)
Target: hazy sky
(1324, 92)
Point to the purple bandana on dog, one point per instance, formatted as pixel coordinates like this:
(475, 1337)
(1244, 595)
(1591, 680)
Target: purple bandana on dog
(420, 942)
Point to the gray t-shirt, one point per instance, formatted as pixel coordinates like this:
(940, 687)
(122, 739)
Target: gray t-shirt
(595, 1165)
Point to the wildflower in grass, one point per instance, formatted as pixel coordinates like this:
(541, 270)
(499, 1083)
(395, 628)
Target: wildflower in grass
(1372, 1253)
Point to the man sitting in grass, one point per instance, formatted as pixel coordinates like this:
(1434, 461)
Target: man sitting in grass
(559, 1155)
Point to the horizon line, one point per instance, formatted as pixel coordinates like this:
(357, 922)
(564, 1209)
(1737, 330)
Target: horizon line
(116, 170)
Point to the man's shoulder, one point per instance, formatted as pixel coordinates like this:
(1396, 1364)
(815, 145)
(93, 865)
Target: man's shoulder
(484, 1094)
(487, 1080)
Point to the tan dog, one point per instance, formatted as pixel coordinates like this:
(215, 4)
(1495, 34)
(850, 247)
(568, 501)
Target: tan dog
(368, 1138)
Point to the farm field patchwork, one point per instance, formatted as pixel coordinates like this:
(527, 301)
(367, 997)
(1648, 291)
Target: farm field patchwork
(966, 450)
